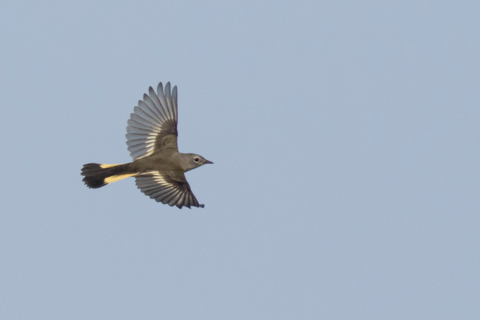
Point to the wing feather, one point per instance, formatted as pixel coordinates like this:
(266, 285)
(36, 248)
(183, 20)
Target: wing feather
(167, 187)
(152, 105)
(152, 126)
(153, 98)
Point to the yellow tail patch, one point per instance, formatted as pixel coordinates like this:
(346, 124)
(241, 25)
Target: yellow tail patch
(119, 177)
(105, 166)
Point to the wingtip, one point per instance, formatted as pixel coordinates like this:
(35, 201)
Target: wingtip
(160, 88)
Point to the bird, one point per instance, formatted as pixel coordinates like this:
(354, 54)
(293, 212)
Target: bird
(158, 167)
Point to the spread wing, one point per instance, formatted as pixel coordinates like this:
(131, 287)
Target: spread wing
(153, 124)
(168, 188)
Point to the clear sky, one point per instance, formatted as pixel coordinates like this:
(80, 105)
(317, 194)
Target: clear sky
(345, 136)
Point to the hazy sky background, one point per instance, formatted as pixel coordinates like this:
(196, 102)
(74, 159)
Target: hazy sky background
(345, 136)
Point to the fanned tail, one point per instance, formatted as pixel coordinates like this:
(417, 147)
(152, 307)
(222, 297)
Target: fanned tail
(98, 175)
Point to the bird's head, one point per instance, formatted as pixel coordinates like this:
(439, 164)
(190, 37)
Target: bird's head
(190, 161)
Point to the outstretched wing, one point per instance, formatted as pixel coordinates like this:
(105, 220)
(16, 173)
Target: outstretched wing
(168, 188)
(152, 126)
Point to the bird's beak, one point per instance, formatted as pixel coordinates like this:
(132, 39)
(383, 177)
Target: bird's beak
(207, 161)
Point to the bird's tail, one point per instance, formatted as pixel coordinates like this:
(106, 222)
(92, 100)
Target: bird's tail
(98, 175)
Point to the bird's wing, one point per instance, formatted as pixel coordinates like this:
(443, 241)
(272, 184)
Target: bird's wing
(152, 126)
(168, 188)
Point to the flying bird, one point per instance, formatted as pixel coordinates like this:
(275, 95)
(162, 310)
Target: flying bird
(158, 167)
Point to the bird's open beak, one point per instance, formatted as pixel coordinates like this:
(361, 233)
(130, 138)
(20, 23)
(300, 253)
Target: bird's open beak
(207, 161)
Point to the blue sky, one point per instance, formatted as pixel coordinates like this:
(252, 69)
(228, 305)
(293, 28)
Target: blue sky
(345, 137)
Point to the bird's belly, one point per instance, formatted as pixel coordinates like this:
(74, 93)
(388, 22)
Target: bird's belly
(156, 163)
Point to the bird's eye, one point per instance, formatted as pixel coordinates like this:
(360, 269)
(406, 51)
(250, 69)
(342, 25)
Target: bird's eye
(196, 159)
